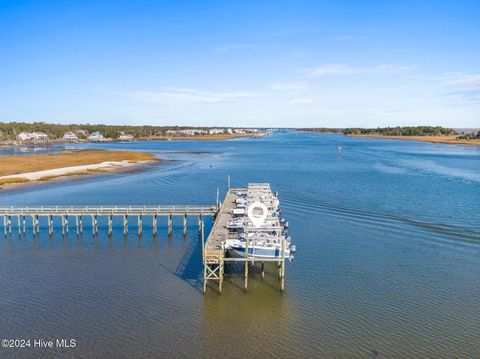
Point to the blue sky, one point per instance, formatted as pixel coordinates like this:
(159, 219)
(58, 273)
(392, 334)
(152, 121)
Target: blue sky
(241, 63)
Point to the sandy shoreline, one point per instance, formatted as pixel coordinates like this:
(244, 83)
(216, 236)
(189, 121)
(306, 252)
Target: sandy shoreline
(19, 170)
(57, 172)
(433, 139)
(70, 173)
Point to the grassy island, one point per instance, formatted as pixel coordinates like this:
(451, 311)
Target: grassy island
(23, 169)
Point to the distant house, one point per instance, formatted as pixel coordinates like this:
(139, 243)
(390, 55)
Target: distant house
(216, 131)
(189, 132)
(24, 136)
(124, 137)
(96, 137)
(70, 136)
(40, 136)
(35, 137)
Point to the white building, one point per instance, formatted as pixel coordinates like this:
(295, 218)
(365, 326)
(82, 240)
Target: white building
(124, 137)
(32, 137)
(70, 136)
(96, 137)
(216, 131)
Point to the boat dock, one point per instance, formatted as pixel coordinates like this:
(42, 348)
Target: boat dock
(217, 249)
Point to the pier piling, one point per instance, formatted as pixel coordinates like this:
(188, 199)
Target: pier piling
(110, 225)
(125, 225)
(50, 224)
(185, 225)
(154, 224)
(140, 225)
(170, 225)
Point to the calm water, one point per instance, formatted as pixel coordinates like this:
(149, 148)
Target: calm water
(388, 260)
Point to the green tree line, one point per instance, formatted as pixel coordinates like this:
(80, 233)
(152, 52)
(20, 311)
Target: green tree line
(401, 131)
(9, 131)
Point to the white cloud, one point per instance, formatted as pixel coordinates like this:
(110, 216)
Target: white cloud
(185, 95)
(342, 70)
(467, 80)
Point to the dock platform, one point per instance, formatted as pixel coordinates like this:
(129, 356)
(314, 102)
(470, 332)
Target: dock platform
(215, 252)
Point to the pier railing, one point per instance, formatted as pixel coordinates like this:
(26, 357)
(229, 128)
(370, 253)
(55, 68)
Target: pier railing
(192, 210)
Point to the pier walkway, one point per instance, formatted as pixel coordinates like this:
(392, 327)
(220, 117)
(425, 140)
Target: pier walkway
(214, 251)
(78, 212)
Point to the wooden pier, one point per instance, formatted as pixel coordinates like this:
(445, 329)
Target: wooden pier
(214, 252)
(78, 213)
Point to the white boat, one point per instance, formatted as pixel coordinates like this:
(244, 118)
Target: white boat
(261, 250)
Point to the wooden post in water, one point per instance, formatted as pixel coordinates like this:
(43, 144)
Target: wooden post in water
(50, 224)
(246, 261)
(220, 270)
(199, 226)
(154, 224)
(19, 226)
(80, 223)
(204, 259)
(4, 225)
(96, 224)
(125, 225)
(24, 224)
(110, 225)
(184, 225)
(66, 224)
(93, 225)
(170, 225)
(10, 225)
(33, 225)
(76, 225)
(140, 224)
(282, 273)
(63, 224)
(263, 270)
